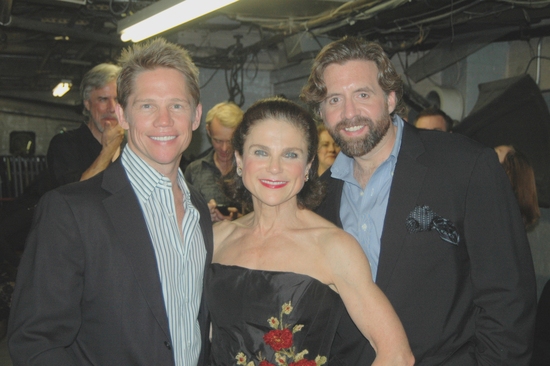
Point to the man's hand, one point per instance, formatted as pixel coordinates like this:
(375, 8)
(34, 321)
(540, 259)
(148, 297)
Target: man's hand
(111, 139)
(216, 215)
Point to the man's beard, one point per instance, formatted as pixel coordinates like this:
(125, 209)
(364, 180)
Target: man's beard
(98, 125)
(360, 147)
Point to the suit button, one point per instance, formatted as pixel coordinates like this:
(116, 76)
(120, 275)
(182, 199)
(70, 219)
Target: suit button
(168, 345)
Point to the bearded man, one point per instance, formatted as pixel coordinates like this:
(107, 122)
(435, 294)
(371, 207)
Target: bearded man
(434, 213)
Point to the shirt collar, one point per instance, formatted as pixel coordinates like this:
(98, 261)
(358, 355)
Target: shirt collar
(209, 159)
(342, 168)
(145, 179)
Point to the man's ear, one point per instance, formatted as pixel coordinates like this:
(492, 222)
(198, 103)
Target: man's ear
(392, 102)
(87, 105)
(198, 114)
(121, 117)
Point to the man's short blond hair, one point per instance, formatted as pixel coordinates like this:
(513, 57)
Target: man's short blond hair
(228, 113)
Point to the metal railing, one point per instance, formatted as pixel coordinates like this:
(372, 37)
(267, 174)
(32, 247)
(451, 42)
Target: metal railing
(17, 173)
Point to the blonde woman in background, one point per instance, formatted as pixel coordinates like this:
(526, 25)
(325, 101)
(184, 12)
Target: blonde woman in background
(327, 151)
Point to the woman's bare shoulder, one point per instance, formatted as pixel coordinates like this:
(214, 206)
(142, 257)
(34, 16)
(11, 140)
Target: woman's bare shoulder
(337, 245)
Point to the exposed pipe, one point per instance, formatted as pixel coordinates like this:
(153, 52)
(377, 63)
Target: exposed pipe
(17, 22)
(539, 53)
(5, 12)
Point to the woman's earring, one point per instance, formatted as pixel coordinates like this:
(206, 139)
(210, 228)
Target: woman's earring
(307, 176)
(239, 171)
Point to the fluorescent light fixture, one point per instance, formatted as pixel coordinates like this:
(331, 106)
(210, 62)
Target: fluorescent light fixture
(79, 2)
(163, 15)
(62, 88)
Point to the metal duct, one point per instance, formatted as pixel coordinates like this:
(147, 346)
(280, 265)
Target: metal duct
(5, 11)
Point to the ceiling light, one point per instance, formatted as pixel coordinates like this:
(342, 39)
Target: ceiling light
(62, 88)
(163, 15)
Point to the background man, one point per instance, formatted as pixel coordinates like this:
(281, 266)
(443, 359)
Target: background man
(113, 269)
(82, 153)
(434, 119)
(434, 213)
(205, 173)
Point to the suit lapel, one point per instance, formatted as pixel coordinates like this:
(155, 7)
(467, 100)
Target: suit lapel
(125, 213)
(406, 185)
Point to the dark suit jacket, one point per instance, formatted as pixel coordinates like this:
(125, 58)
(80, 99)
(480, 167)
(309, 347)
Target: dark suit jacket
(466, 304)
(88, 290)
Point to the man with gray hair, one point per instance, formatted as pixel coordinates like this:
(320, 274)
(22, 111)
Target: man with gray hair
(84, 152)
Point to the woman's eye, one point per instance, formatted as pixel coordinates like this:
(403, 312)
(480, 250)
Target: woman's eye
(291, 155)
(260, 153)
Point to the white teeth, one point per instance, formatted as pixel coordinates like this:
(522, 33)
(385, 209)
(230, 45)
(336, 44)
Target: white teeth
(272, 183)
(353, 129)
(163, 138)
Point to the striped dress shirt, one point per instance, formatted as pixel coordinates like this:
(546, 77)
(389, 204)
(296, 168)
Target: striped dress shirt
(180, 255)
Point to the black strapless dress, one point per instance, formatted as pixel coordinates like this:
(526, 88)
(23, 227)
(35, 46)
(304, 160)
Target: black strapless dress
(258, 316)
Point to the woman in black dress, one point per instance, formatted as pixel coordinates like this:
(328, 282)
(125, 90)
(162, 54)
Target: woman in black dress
(281, 275)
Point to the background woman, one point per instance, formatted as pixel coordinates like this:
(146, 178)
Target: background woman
(521, 174)
(282, 276)
(327, 151)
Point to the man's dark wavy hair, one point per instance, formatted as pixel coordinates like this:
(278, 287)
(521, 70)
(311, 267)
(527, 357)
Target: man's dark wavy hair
(348, 49)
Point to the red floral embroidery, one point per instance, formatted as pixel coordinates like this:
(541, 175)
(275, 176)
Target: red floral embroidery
(278, 339)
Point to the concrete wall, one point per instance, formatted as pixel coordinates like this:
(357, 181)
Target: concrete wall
(44, 120)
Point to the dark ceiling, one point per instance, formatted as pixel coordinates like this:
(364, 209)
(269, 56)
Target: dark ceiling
(45, 41)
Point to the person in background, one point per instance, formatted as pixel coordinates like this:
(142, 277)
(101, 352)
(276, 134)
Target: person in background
(278, 284)
(522, 177)
(113, 269)
(327, 151)
(205, 173)
(72, 156)
(434, 213)
(434, 119)
(84, 152)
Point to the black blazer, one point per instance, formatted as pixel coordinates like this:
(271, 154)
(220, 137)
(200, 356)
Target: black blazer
(88, 290)
(466, 304)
